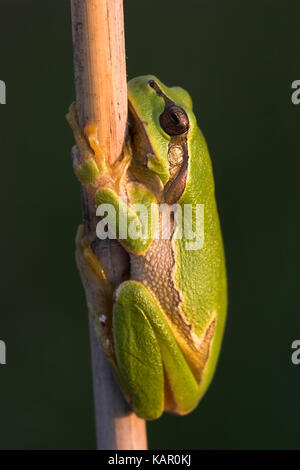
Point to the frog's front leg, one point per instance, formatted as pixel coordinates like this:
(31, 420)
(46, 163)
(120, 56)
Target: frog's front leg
(135, 206)
(148, 356)
(135, 216)
(91, 165)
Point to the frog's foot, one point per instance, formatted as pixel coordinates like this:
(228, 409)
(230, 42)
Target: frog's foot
(99, 291)
(91, 165)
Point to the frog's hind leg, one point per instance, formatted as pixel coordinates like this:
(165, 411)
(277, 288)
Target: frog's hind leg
(99, 291)
(146, 352)
(139, 360)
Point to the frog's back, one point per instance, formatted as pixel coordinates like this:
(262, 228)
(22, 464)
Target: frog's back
(202, 277)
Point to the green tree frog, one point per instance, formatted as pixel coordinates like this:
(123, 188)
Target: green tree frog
(162, 327)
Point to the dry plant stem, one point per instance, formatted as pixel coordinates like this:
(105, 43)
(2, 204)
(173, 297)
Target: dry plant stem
(101, 96)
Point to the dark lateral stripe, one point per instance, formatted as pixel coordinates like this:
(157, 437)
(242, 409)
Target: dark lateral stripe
(175, 186)
(154, 85)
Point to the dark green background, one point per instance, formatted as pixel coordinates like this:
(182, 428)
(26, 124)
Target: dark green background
(237, 59)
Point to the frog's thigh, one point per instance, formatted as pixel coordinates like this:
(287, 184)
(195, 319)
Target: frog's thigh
(139, 359)
(145, 345)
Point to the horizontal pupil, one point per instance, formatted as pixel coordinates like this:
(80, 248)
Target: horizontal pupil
(175, 118)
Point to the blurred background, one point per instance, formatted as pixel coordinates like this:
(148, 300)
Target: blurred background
(237, 60)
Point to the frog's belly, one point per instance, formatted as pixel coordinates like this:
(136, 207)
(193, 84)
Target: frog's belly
(156, 270)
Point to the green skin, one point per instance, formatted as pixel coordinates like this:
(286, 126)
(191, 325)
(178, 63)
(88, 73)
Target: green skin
(164, 326)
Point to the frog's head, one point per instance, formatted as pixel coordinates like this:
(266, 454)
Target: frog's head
(161, 120)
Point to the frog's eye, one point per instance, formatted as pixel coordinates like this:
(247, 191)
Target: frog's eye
(174, 120)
